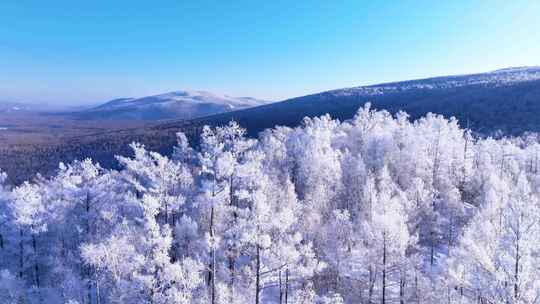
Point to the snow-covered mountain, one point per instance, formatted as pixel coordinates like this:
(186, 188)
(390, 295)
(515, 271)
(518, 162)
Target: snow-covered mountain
(506, 100)
(497, 78)
(172, 105)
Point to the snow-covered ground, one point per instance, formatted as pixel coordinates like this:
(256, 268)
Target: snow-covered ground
(496, 78)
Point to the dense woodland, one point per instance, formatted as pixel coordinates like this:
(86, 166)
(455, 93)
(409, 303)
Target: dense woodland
(376, 209)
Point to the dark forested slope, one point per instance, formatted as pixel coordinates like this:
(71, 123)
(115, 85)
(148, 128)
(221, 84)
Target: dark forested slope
(506, 100)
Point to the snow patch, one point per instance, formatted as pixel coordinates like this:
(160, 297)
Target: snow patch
(498, 78)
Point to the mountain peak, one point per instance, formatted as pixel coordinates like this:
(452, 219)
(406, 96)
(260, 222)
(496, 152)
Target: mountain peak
(181, 104)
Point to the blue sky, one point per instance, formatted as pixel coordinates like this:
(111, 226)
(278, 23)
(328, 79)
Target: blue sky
(74, 52)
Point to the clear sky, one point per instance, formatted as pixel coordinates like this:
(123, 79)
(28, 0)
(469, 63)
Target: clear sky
(90, 51)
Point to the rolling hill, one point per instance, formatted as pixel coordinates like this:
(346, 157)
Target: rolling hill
(507, 100)
(172, 105)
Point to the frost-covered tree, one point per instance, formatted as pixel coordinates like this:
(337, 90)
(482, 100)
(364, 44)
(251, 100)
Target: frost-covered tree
(4, 211)
(498, 255)
(30, 216)
(139, 264)
(222, 150)
(376, 209)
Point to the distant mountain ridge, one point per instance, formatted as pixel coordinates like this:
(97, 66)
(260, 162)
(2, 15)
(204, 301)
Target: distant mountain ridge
(497, 78)
(507, 100)
(172, 105)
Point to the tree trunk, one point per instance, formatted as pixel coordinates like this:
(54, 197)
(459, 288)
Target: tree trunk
(416, 291)
(401, 290)
(287, 285)
(87, 268)
(36, 265)
(464, 169)
(232, 261)
(212, 271)
(232, 278)
(536, 162)
(338, 266)
(98, 294)
(21, 254)
(371, 285)
(516, 272)
(89, 291)
(63, 250)
(432, 248)
(280, 289)
(435, 172)
(384, 271)
(166, 213)
(258, 275)
(87, 203)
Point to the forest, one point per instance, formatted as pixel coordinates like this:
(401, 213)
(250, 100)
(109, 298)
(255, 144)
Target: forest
(375, 209)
